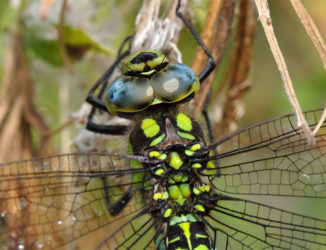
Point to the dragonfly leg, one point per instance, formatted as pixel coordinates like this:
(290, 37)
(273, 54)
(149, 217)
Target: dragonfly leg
(210, 65)
(104, 129)
(116, 207)
(98, 103)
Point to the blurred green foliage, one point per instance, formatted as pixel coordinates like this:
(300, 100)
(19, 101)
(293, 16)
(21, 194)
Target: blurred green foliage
(7, 15)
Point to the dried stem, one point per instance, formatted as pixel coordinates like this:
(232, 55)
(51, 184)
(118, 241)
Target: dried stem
(320, 123)
(61, 34)
(6, 101)
(11, 129)
(265, 18)
(239, 70)
(65, 125)
(207, 34)
(64, 86)
(311, 29)
(18, 113)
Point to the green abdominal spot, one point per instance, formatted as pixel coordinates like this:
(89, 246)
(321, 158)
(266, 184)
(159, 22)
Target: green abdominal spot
(175, 161)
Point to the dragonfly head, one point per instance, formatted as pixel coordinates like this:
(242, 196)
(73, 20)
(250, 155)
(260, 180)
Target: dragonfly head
(149, 79)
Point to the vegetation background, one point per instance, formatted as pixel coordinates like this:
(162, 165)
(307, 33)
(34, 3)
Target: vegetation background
(40, 89)
(30, 53)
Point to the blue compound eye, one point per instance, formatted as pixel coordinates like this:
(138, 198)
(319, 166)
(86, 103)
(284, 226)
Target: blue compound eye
(175, 83)
(128, 94)
(149, 79)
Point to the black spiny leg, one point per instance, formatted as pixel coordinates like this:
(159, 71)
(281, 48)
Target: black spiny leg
(209, 125)
(98, 103)
(210, 65)
(118, 206)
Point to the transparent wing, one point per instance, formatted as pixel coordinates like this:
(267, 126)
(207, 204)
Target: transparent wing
(243, 224)
(140, 232)
(273, 158)
(50, 202)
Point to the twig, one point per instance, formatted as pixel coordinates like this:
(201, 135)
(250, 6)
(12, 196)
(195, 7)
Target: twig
(207, 34)
(265, 18)
(316, 39)
(239, 70)
(61, 34)
(9, 147)
(321, 120)
(6, 99)
(64, 111)
(311, 29)
(62, 127)
(30, 116)
(64, 86)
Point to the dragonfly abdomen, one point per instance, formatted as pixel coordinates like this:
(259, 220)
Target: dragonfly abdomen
(176, 141)
(186, 232)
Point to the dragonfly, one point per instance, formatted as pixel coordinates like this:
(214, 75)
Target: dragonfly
(174, 190)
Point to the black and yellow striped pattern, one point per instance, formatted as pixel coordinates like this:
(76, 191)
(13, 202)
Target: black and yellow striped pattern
(174, 140)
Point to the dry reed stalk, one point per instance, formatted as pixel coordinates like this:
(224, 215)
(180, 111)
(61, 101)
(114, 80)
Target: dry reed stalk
(266, 21)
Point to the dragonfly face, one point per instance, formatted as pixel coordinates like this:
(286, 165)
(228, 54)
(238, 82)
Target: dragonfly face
(149, 79)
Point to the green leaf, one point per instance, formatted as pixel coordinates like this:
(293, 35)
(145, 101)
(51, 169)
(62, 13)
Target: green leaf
(74, 37)
(76, 41)
(47, 50)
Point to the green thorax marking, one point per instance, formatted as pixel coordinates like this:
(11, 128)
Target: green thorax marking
(184, 122)
(158, 140)
(186, 135)
(163, 130)
(150, 127)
